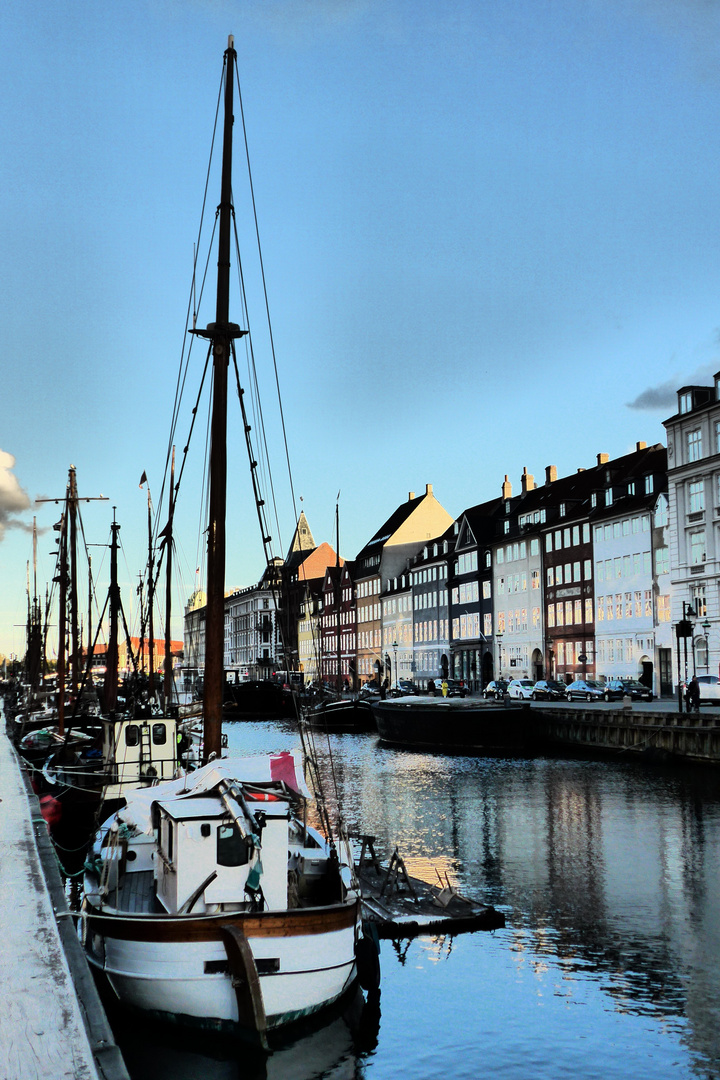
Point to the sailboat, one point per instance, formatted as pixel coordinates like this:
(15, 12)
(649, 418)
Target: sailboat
(210, 901)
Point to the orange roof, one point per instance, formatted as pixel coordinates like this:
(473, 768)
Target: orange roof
(316, 563)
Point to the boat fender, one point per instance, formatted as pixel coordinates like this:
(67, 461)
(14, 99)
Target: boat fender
(367, 960)
(51, 810)
(257, 796)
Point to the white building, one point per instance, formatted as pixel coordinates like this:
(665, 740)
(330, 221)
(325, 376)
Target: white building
(693, 436)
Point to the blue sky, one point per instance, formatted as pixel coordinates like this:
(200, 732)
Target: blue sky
(489, 233)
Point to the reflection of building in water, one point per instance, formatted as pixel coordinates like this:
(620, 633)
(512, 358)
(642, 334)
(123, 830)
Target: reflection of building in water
(608, 871)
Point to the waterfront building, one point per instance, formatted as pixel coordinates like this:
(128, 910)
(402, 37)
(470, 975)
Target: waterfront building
(339, 628)
(412, 525)
(397, 627)
(428, 577)
(253, 644)
(693, 451)
(517, 579)
(632, 598)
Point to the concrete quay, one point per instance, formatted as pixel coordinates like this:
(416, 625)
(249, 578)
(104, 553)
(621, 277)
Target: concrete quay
(52, 1025)
(692, 737)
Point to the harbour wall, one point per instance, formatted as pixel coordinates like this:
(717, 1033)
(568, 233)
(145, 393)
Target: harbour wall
(690, 736)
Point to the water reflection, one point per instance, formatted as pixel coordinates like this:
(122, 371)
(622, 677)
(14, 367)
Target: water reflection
(606, 869)
(332, 1050)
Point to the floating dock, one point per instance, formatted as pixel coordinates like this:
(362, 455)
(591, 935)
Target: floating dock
(395, 905)
(52, 1025)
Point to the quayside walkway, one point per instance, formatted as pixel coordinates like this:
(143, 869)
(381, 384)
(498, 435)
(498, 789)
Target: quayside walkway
(52, 1025)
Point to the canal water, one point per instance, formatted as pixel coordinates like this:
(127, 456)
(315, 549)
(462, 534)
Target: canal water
(608, 873)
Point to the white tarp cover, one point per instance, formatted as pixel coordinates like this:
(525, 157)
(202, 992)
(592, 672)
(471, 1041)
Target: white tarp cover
(255, 770)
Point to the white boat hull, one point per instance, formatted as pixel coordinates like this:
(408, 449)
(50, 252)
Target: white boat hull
(299, 973)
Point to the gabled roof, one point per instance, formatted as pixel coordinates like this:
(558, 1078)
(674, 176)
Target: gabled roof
(314, 564)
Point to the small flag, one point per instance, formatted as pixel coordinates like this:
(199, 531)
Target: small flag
(143, 479)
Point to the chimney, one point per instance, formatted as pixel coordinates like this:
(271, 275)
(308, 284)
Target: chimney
(528, 481)
(602, 458)
(411, 496)
(428, 489)
(641, 446)
(507, 488)
(550, 474)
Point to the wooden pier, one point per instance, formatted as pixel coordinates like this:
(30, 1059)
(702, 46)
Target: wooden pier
(52, 1025)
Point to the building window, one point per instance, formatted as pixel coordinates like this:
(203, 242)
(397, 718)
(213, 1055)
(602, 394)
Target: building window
(696, 496)
(717, 436)
(649, 484)
(697, 547)
(694, 445)
(662, 560)
(700, 601)
(685, 402)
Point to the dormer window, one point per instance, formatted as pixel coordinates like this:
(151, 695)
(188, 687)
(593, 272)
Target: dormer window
(593, 499)
(608, 497)
(685, 402)
(507, 527)
(648, 484)
(507, 506)
(631, 487)
(563, 510)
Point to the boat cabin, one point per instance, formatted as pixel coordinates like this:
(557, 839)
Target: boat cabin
(211, 856)
(139, 751)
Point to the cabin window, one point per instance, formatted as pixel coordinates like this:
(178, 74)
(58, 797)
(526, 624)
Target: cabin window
(159, 734)
(132, 735)
(232, 848)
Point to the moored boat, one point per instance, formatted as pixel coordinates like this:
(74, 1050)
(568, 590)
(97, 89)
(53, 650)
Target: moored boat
(462, 724)
(209, 901)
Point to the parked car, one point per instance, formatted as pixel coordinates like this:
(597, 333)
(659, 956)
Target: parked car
(520, 688)
(369, 692)
(549, 690)
(403, 688)
(585, 690)
(495, 689)
(620, 688)
(709, 688)
(455, 687)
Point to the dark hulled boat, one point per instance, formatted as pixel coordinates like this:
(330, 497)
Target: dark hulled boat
(458, 724)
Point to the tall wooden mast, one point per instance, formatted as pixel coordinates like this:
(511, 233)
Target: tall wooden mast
(221, 334)
(110, 690)
(168, 666)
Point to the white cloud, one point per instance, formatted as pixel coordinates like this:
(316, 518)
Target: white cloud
(13, 500)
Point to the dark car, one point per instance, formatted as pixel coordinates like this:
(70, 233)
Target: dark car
(549, 690)
(585, 689)
(495, 689)
(455, 687)
(620, 688)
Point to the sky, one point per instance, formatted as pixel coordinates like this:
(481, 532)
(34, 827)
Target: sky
(489, 235)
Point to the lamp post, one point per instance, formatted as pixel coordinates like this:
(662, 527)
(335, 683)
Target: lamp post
(684, 630)
(706, 630)
(499, 641)
(397, 677)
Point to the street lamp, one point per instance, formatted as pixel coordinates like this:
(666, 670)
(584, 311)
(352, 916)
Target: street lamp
(684, 630)
(397, 677)
(499, 641)
(706, 631)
